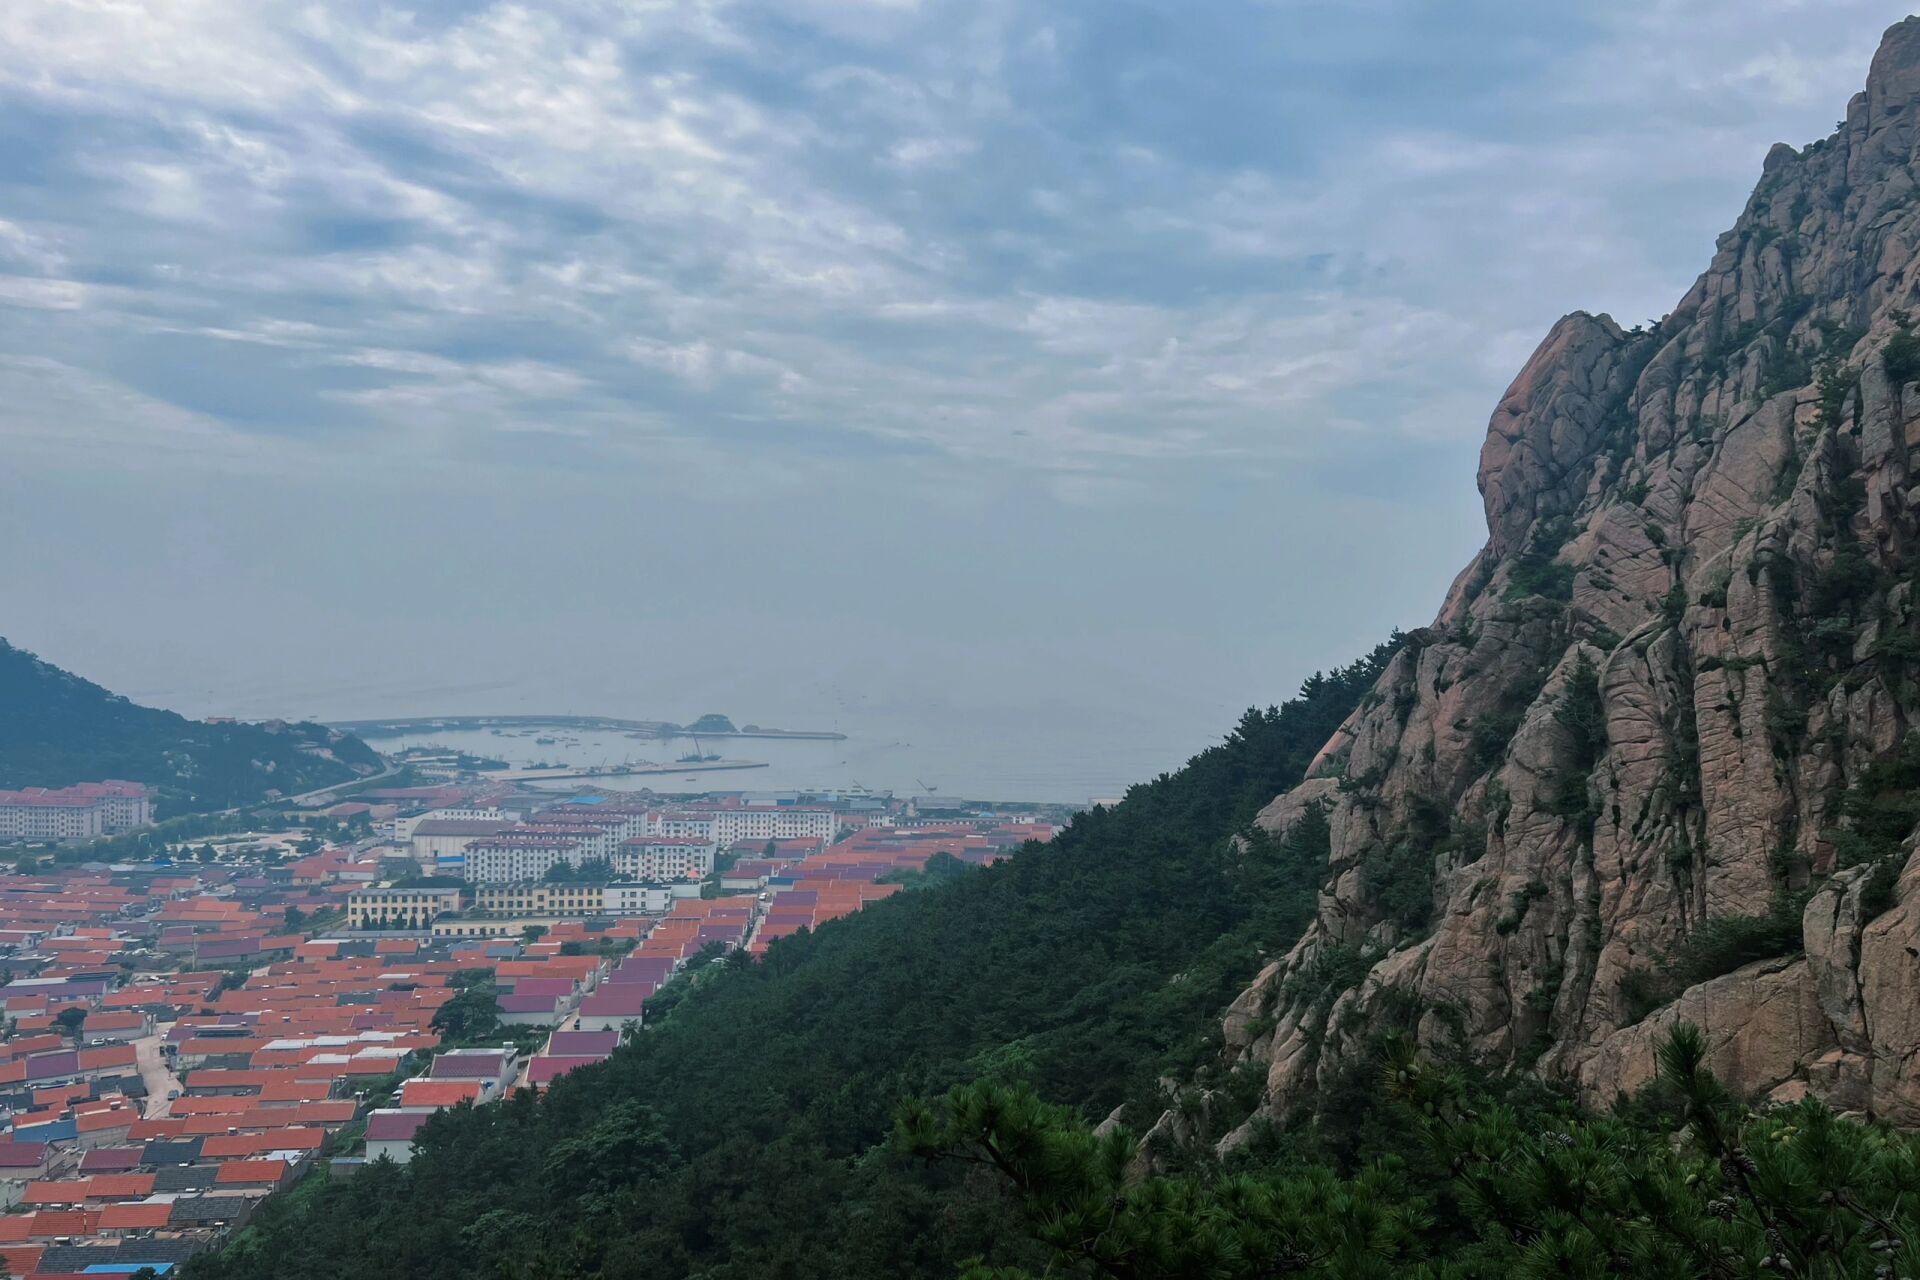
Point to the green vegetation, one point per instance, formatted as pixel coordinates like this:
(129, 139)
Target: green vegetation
(1902, 355)
(1463, 1179)
(59, 729)
(1399, 879)
(1721, 945)
(1536, 571)
(1881, 808)
(471, 1017)
(1718, 946)
(1083, 969)
(413, 880)
(590, 871)
(940, 868)
(1582, 714)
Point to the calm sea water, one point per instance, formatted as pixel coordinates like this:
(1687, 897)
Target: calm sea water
(1032, 765)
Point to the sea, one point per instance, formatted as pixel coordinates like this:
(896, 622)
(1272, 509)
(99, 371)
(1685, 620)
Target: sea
(1031, 766)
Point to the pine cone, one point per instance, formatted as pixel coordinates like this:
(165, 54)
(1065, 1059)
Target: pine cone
(1723, 1208)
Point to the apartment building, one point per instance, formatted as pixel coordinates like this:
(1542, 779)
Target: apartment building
(80, 812)
(666, 858)
(723, 826)
(509, 857)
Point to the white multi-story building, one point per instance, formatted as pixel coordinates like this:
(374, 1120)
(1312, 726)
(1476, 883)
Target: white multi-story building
(597, 841)
(441, 842)
(622, 823)
(748, 822)
(403, 828)
(505, 858)
(666, 858)
(124, 806)
(74, 813)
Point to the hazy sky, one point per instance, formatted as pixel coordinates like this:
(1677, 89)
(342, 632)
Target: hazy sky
(1110, 363)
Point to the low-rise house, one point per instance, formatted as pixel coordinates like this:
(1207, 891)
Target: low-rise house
(544, 1070)
(115, 1026)
(614, 1005)
(495, 1067)
(529, 1009)
(134, 1218)
(583, 1043)
(20, 1164)
(390, 1134)
(267, 1173)
(426, 1095)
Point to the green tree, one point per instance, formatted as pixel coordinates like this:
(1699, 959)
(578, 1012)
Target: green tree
(1487, 1185)
(471, 1016)
(70, 1020)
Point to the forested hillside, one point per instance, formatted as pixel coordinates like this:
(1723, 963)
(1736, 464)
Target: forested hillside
(912, 1092)
(748, 1134)
(57, 729)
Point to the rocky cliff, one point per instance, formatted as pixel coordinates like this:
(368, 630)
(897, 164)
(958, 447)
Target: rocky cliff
(1652, 760)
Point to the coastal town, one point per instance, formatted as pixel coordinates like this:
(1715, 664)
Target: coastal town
(191, 1033)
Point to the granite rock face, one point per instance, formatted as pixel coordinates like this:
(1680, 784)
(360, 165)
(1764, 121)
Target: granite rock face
(1671, 698)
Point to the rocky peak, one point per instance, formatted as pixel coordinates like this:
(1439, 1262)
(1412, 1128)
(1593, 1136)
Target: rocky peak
(1652, 760)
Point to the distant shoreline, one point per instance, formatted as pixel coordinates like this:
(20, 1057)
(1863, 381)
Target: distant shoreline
(405, 726)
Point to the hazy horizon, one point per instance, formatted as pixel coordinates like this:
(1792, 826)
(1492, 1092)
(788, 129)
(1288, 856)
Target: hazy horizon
(1086, 372)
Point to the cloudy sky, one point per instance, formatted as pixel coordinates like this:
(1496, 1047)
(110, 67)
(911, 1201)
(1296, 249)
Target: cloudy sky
(1106, 363)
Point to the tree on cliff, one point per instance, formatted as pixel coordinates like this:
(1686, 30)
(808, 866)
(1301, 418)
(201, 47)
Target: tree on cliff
(1488, 1187)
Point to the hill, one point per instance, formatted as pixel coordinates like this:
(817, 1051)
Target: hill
(60, 729)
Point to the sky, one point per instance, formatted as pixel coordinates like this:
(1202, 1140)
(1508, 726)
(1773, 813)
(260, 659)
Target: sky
(1107, 365)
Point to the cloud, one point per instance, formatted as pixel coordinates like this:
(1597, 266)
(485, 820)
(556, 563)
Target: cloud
(1036, 235)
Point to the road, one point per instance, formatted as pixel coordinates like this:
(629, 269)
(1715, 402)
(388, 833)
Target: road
(390, 771)
(154, 1074)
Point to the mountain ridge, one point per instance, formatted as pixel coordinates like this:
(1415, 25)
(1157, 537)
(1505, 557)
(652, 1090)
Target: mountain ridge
(1649, 748)
(60, 728)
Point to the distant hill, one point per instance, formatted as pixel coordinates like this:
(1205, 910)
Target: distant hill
(58, 729)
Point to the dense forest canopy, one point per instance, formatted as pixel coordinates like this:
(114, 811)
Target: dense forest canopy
(748, 1133)
(59, 729)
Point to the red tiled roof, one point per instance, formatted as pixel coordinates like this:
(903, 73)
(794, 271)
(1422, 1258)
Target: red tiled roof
(251, 1173)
